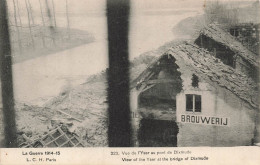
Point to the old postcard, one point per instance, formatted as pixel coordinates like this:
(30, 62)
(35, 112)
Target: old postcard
(167, 81)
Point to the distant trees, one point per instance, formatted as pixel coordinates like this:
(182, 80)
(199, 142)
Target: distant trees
(68, 21)
(54, 15)
(16, 26)
(37, 25)
(225, 14)
(43, 26)
(29, 21)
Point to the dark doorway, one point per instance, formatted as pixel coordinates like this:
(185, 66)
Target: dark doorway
(158, 133)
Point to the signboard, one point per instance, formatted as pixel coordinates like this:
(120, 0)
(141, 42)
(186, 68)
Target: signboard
(205, 120)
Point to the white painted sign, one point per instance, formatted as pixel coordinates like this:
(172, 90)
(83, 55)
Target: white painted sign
(206, 120)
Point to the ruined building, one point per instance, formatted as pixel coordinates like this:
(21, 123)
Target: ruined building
(247, 34)
(229, 50)
(187, 97)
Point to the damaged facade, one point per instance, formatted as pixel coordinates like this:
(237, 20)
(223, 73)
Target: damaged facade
(229, 50)
(187, 97)
(247, 34)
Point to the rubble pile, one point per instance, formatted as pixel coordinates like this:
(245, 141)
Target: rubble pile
(60, 136)
(79, 113)
(213, 70)
(190, 57)
(219, 35)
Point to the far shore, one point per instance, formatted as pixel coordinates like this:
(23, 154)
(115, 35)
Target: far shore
(55, 39)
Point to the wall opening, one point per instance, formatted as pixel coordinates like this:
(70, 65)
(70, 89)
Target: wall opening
(195, 81)
(167, 84)
(220, 51)
(158, 133)
(157, 105)
(193, 103)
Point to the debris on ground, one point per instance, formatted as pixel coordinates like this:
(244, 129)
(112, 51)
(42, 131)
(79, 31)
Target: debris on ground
(62, 132)
(82, 110)
(58, 137)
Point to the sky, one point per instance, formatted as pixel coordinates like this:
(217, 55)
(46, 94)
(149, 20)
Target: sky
(75, 6)
(85, 6)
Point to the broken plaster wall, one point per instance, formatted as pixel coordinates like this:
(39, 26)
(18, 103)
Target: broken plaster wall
(245, 67)
(218, 50)
(215, 102)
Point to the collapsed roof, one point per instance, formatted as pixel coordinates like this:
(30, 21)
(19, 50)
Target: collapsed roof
(217, 34)
(206, 67)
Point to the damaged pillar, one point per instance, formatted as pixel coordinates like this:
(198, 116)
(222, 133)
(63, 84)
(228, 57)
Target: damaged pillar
(136, 117)
(257, 128)
(7, 80)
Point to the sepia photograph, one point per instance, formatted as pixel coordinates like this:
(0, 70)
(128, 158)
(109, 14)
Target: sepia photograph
(129, 73)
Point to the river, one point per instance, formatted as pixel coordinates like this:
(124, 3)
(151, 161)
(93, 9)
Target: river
(40, 79)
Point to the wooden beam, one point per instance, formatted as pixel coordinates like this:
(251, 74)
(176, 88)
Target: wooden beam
(69, 115)
(156, 81)
(161, 81)
(150, 75)
(148, 87)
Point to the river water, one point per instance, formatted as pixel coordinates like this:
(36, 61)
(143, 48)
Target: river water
(42, 78)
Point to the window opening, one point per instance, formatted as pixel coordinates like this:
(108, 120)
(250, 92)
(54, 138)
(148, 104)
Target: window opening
(193, 103)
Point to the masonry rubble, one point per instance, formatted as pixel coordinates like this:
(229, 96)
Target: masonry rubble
(62, 133)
